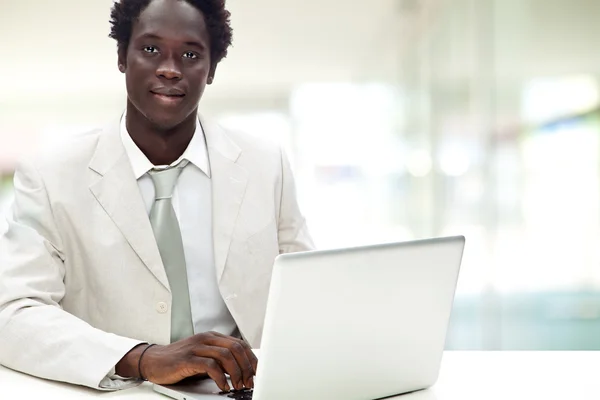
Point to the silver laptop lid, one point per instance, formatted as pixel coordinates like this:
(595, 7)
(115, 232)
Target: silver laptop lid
(360, 323)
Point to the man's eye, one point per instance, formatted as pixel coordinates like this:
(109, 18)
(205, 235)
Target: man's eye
(150, 49)
(189, 54)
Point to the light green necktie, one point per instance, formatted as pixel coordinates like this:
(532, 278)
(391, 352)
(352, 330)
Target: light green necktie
(170, 245)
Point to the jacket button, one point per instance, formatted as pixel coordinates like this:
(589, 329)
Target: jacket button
(162, 308)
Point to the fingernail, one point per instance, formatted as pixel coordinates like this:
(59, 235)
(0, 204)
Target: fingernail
(252, 382)
(227, 388)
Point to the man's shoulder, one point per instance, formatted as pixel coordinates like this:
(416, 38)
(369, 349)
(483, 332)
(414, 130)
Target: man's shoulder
(263, 144)
(66, 154)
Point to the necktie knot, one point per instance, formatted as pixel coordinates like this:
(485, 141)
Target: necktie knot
(165, 180)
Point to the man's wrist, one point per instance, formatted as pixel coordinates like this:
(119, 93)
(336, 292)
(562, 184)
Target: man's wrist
(127, 367)
(140, 372)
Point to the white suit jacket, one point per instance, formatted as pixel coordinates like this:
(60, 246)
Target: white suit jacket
(81, 278)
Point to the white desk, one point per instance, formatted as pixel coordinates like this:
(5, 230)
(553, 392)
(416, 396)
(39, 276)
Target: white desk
(464, 376)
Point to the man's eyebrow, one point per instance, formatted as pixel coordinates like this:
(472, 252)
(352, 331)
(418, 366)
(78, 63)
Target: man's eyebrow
(195, 44)
(187, 42)
(150, 36)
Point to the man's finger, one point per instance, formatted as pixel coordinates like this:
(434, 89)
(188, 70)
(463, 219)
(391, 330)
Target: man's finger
(226, 360)
(239, 352)
(253, 359)
(249, 353)
(213, 370)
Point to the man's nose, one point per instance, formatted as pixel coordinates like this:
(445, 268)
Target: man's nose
(169, 68)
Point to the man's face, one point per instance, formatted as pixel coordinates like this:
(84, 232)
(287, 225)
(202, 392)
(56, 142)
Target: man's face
(167, 62)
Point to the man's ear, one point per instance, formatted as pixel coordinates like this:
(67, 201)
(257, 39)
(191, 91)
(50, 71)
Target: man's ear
(122, 60)
(211, 75)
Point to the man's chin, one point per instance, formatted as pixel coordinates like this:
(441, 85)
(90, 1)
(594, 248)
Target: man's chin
(165, 122)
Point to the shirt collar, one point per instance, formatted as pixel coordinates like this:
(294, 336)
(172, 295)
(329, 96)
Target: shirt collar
(196, 152)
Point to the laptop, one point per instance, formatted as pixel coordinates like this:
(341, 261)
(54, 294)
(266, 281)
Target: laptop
(359, 323)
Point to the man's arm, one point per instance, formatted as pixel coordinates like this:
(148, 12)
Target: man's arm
(36, 336)
(39, 338)
(293, 232)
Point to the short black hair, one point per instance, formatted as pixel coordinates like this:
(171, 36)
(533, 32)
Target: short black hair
(124, 13)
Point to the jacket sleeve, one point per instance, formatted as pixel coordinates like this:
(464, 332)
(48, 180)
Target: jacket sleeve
(36, 335)
(293, 234)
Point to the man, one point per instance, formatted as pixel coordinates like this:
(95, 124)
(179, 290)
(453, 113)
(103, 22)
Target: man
(144, 250)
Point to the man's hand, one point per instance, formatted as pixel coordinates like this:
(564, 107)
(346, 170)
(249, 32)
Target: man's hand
(209, 354)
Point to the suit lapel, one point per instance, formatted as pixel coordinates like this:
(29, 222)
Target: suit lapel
(229, 182)
(116, 189)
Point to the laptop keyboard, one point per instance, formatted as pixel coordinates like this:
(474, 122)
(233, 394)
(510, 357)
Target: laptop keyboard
(244, 394)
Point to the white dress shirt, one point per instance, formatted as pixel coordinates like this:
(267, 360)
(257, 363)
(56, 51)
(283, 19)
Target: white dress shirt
(192, 202)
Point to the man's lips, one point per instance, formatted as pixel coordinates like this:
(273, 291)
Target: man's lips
(168, 99)
(170, 92)
(167, 95)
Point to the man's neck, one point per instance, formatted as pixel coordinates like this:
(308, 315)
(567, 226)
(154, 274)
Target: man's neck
(161, 147)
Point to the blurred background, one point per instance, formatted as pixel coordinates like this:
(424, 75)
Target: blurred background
(403, 119)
